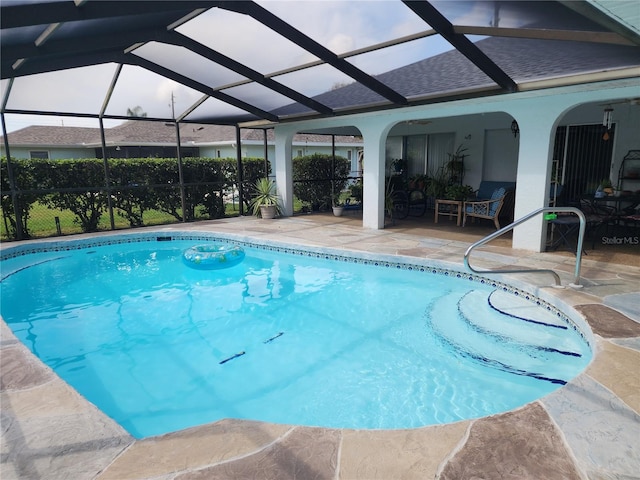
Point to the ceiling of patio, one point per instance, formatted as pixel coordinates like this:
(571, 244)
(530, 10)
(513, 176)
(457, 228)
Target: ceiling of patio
(259, 63)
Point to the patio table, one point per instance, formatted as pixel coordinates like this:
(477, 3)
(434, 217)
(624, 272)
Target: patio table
(450, 208)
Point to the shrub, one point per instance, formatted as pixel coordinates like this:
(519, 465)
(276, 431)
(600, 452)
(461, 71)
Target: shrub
(315, 178)
(28, 176)
(132, 195)
(83, 193)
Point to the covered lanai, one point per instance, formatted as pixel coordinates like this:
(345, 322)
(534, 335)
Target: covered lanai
(499, 77)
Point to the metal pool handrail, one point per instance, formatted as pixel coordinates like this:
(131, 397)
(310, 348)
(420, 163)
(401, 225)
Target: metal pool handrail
(488, 238)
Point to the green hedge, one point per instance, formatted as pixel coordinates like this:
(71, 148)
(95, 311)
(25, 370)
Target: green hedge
(136, 185)
(317, 178)
(139, 186)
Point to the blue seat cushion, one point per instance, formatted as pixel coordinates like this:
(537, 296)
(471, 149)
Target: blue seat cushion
(487, 187)
(497, 193)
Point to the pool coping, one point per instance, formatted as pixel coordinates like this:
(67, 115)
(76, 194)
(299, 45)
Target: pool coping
(49, 431)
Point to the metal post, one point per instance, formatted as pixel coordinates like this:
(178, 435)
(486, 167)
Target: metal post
(240, 172)
(12, 182)
(266, 153)
(333, 168)
(103, 140)
(107, 178)
(183, 199)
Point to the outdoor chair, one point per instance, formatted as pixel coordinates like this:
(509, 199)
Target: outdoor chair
(555, 195)
(487, 209)
(598, 218)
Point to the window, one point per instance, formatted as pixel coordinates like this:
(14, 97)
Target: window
(39, 154)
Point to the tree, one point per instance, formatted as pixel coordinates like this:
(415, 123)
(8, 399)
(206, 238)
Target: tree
(136, 111)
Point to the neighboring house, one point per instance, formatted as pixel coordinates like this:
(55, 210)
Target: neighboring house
(139, 138)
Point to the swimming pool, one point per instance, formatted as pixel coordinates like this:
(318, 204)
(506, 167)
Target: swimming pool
(303, 337)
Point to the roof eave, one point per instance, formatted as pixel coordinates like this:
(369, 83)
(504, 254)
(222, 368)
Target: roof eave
(582, 78)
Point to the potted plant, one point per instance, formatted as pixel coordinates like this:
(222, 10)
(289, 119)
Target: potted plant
(418, 182)
(398, 165)
(437, 183)
(266, 201)
(458, 192)
(389, 206)
(337, 205)
(455, 165)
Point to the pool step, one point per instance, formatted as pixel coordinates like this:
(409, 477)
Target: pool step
(524, 309)
(538, 330)
(473, 329)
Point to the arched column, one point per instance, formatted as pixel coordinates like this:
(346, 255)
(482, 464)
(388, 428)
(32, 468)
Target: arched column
(374, 134)
(537, 123)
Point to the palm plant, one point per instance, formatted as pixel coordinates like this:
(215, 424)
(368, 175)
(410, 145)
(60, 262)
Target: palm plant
(265, 195)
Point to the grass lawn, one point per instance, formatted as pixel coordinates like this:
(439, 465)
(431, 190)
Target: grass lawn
(42, 221)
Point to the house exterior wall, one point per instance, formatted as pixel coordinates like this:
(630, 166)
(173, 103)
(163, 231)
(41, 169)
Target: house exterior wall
(211, 151)
(55, 153)
(538, 113)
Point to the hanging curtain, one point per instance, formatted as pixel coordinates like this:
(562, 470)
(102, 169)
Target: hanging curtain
(439, 146)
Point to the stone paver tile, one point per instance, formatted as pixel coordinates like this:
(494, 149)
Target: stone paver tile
(618, 369)
(608, 323)
(627, 303)
(304, 454)
(6, 335)
(602, 432)
(398, 454)
(609, 287)
(193, 448)
(523, 444)
(51, 399)
(598, 272)
(566, 296)
(60, 447)
(633, 343)
(19, 369)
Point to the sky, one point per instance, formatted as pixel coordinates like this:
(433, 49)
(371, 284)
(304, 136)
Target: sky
(345, 26)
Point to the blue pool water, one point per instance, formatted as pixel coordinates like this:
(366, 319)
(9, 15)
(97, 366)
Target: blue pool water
(285, 337)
